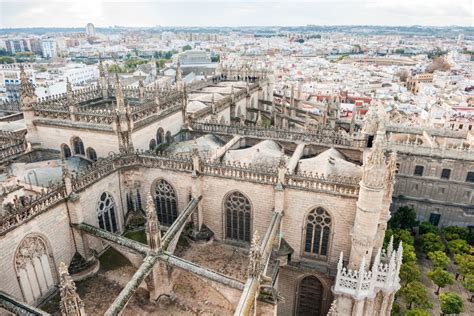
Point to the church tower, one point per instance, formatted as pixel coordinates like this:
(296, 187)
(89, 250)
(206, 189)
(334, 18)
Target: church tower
(28, 100)
(368, 284)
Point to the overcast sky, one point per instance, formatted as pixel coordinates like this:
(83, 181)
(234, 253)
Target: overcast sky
(67, 13)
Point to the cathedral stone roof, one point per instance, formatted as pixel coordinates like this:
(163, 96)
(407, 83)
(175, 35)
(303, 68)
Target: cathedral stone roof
(267, 153)
(194, 106)
(330, 162)
(207, 144)
(43, 172)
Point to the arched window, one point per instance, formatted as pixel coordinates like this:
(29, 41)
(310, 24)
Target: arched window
(66, 151)
(237, 213)
(160, 136)
(169, 139)
(33, 268)
(78, 146)
(152, 145)
(106, 213)
(318, 231)
(310, 296)
(166, 204)
(91, 154)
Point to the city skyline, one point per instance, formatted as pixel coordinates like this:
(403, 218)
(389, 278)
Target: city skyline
(32, 13)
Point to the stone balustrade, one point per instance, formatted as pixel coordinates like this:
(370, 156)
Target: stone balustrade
(19, 214)
(323, 137)
(412, 148)
(363, 283)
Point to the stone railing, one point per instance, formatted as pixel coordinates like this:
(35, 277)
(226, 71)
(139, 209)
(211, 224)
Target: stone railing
(321, 137)
(12, 150)
(48, 198)
(241, 172)
(322, 183)
(364, 283)
(460, 152)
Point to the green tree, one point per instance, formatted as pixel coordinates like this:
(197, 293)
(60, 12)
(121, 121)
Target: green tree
(187, 47)
(451, 303)
(404, 218)
(439, 259)
(7, 60)
(441, 278)
(415, 293)
(465, 263)
(455, 232)
(468, 282)
(409, 272)
(431, 242)
(409, 254)
(427, 227)
(115, 69)
(458, 246)
(416, 312)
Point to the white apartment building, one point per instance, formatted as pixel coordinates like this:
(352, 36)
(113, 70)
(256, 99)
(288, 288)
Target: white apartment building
(49, 48)
(80, 74)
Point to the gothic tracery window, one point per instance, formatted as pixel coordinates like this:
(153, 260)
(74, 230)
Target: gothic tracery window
(237, 213)
(91, 154)
(160, 136)
(33, 268)
(166, 203)
(78, 146)
(106, 212)
(318, 231)
(66, 151)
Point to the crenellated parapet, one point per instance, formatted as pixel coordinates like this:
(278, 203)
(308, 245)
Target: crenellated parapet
(364, 283)
(329, 137)
(20, 213)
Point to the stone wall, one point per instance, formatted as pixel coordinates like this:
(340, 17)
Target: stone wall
(52, 137)
(53, 227)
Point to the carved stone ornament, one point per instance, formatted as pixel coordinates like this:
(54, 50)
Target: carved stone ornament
(31, 247)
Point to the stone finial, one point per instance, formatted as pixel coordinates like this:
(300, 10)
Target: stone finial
(333, 310)
(153, 232)
(27, 91)
(196, 158)
(390, 175)
(374, 168)
(390, 247)
(71, 304)
(340, 261)
(255, 256)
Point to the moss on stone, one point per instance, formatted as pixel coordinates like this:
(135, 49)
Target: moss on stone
(112, 259)
(138, 235)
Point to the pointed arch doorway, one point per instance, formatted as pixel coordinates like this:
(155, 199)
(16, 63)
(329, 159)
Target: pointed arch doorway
(310, 297)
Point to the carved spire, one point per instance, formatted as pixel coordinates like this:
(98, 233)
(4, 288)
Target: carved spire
(374, 168)
(118, 94)
(69, 92)
(196, 159)
(255, 256)
(71, 304)
(390, 247)
(153, 232)
(390, 176)
(179, 73)
(27, 91)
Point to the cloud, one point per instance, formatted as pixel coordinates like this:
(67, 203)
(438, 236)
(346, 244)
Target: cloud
(74, 13)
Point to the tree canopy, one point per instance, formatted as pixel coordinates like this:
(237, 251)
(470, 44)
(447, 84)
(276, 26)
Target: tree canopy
(440, 277)
(404, 218)
(415, 293)
(439, 259)
(431, 242)
(451, 303)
